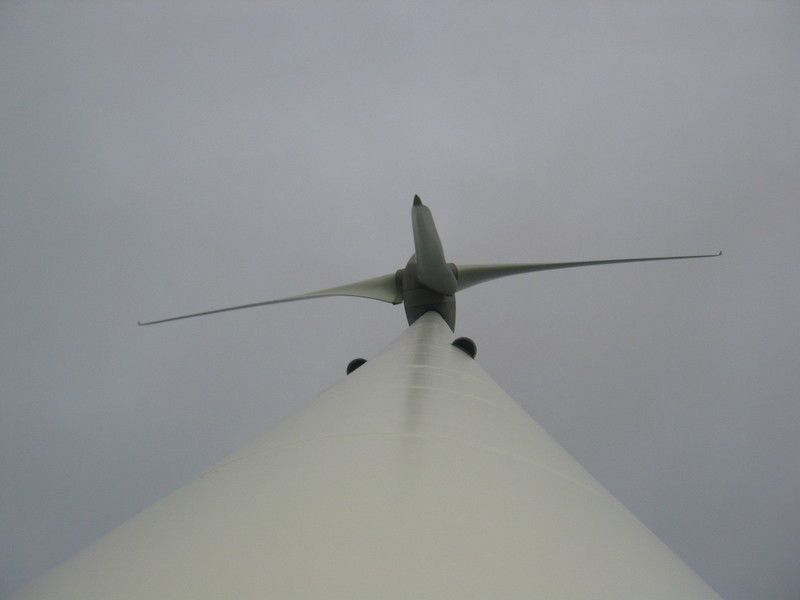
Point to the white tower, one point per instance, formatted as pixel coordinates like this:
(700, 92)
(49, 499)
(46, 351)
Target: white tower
(414, 477)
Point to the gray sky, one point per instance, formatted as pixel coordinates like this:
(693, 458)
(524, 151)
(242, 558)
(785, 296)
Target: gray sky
(163, 158)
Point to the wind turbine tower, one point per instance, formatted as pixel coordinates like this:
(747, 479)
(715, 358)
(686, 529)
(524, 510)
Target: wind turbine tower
(416, 476)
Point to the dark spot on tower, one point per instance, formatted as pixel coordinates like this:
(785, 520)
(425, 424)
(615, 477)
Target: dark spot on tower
(466, 345)
(354, 364)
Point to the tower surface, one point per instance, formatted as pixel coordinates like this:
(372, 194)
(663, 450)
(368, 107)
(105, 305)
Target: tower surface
(416, 476)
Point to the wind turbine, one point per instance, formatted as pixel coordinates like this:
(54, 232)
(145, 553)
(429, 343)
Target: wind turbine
(416, 476)
(428, 282)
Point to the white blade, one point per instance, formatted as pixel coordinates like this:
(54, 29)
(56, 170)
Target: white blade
(432, 268)
(383, 288)
(469, 275)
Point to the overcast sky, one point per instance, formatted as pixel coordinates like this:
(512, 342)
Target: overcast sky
(170, 157)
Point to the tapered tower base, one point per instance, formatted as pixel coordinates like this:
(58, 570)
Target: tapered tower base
(414, 477)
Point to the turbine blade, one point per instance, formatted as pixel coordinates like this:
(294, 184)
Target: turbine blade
(382, 288)
(469, 275)
(432, 269)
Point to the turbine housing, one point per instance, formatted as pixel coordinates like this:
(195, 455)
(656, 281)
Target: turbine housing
(419, 298)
